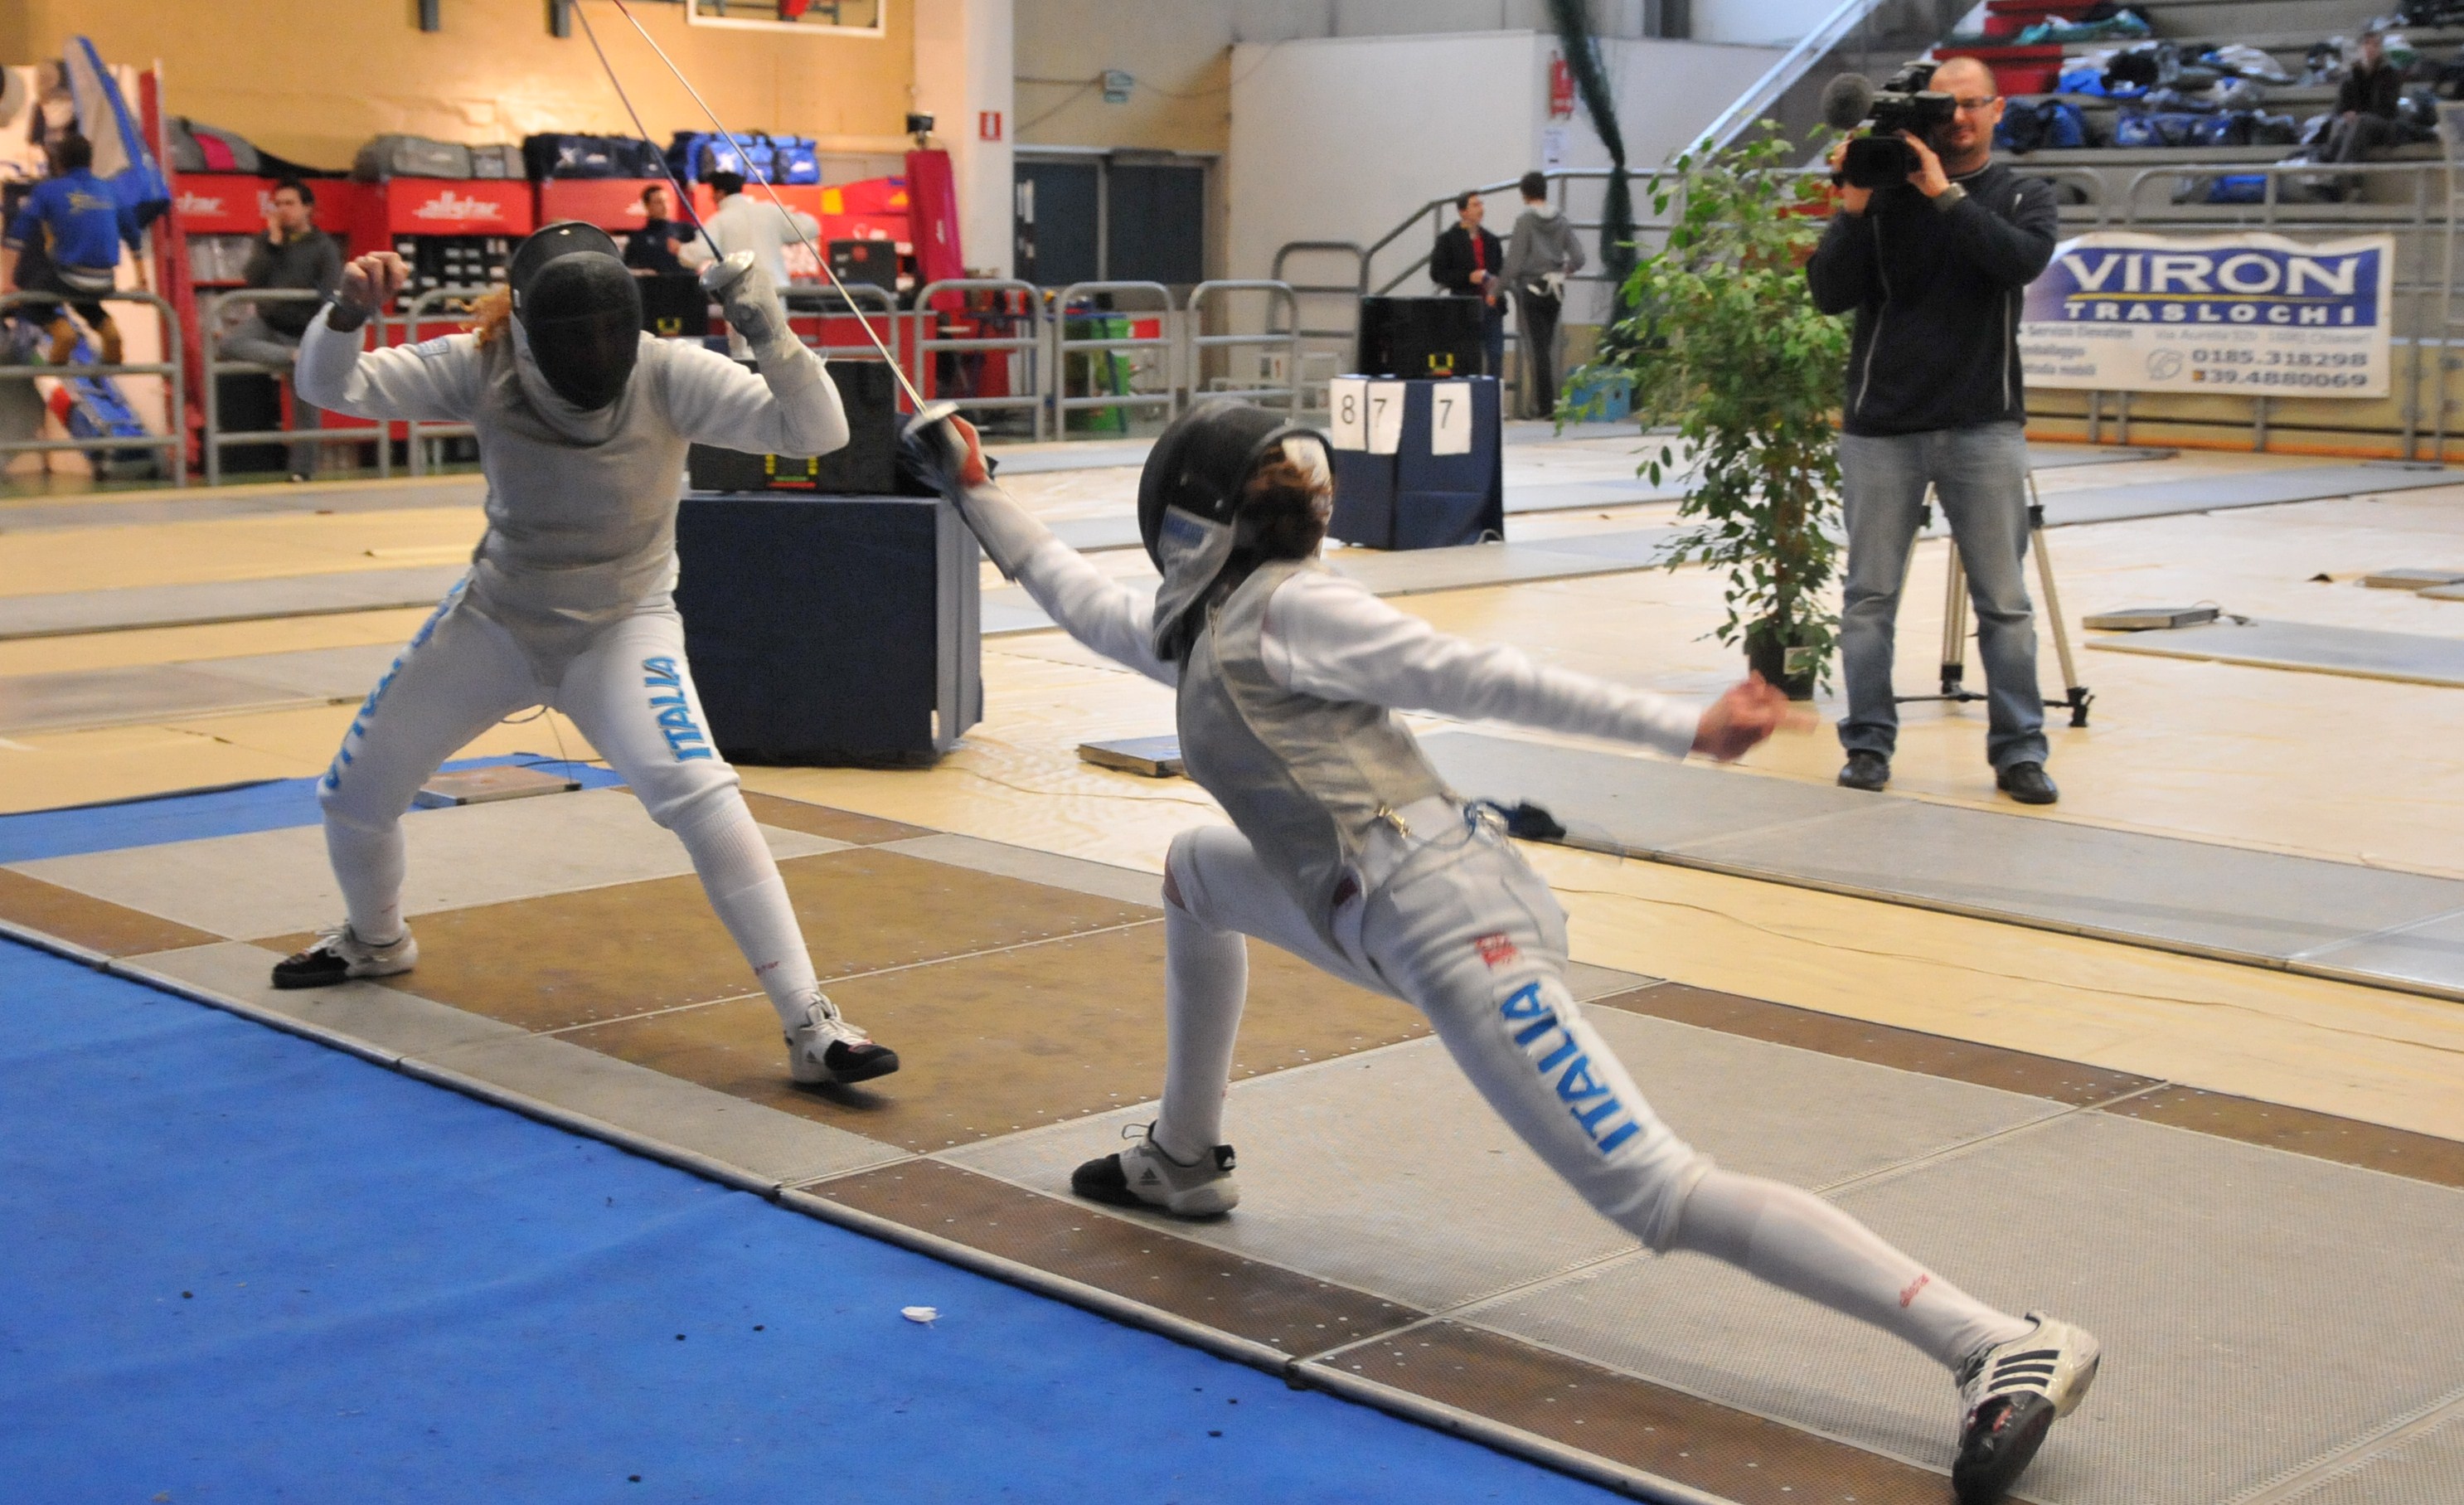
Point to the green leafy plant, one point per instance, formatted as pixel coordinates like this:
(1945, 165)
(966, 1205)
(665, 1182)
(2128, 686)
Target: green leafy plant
(1726, 345)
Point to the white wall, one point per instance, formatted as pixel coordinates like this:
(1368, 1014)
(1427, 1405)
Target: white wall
(963, 69)
(1784, 22)
(1339, 138)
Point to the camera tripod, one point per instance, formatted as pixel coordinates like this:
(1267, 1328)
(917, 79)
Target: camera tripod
(2076, 696)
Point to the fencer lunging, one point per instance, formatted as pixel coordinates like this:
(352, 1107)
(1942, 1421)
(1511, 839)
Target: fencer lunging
(1347, 850)
(582, 423)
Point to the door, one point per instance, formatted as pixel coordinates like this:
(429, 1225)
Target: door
(1057, 215)
(1156, 228)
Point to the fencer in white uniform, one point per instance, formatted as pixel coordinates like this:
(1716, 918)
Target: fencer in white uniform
(1347, 850)
(583, 424)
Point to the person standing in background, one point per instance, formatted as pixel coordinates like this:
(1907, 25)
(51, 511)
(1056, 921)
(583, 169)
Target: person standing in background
(1541, 254)
(292, 254)
(2366, 104)
(66, 241)
(740, 223)
(1466, 261)
(652, 250)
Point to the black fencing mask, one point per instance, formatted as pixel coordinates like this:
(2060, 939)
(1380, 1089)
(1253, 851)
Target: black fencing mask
(1188, 496)
(580, 312)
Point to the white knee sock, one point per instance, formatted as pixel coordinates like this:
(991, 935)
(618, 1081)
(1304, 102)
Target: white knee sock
(1206, 979)
(743, 884)
(1802, 1244)
(369, 866)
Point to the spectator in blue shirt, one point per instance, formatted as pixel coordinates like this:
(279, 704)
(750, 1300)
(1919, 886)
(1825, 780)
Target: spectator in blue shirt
(66, 241)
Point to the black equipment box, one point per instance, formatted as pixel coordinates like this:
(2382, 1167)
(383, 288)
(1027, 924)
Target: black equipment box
(831, 630)
(866, 467)
(873, 261)
(1420, 337)
(674, 305)
(1414, 498)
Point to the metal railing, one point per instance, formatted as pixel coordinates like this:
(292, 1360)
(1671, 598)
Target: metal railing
(1028, 346)
(1279, 295)
(213, 330)
(1104, 347)
(173, 440)
(428, 308)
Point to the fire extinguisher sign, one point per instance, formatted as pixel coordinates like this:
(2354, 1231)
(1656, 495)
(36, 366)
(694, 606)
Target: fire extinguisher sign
(988, 124)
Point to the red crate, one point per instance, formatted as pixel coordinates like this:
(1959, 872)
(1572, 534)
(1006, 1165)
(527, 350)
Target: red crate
(440, 207)
(612, 203)
(2010, 17)
(234, 203)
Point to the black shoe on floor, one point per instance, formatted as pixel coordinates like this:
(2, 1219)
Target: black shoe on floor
(2027, 782)
(1869, 772)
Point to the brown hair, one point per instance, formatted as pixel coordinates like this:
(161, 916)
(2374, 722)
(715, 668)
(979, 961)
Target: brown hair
(491, 313)
(1283, 514)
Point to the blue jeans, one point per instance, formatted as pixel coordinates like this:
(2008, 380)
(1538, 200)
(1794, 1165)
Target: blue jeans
(1980, 476)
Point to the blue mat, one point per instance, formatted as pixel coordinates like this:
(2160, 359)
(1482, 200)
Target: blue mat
(181, 816)
(242, 1267)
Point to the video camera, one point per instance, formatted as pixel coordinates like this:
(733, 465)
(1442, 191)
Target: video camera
(1879, 158)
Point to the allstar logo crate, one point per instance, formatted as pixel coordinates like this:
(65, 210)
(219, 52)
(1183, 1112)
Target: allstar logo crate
(2244, 314)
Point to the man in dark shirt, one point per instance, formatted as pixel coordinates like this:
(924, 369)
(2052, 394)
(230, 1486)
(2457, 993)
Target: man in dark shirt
(291, 256)
(1469, 263)
(652, 250)
(1935, 271)
(2366, 104)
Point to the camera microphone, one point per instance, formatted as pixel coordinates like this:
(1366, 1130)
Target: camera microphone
(1846, 99)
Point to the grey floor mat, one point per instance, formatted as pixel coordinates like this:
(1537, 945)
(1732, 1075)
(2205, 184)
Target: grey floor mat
(1093, 455)
(199, 505)
(2329, 918)
(2361, 653)
(224, 601)
(2249, 489)
(167, 692)
(2062, 457)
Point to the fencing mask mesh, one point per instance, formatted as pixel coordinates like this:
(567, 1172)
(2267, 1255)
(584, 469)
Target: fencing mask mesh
(580, 312)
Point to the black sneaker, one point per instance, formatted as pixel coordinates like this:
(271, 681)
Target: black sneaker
(1144, 1176)
(338, 956)
(1869, 772)
(2011, 1395)
(2027, 782)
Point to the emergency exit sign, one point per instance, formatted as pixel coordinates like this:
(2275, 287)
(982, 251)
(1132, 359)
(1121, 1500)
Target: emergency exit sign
(988, 124)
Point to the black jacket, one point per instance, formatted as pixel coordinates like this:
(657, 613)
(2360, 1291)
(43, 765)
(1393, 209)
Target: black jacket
(1450, 262)
(313, 262)
(653, 247)
(2372, 90)
(1937, 296)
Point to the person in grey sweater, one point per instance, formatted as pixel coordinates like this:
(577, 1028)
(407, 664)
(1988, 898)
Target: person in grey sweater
(1541, 254)
(292, 255)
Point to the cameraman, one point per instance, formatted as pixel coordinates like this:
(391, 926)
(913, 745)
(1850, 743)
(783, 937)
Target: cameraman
(1935, 271)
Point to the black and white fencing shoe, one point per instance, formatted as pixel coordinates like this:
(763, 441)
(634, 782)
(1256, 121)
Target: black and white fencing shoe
(826, 1051)
(338, 956)
(1144, 1176)
(2010, 1396)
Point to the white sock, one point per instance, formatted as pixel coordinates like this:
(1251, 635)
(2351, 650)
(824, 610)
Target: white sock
(1206, 979)
(369, 867)
(1802, 1244)
(742, 881)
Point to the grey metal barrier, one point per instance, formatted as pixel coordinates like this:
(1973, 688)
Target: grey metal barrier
(174, 439)
(1027, 345)
(1279, 296)
(428, 308)
(1106, 349)
(211, 328)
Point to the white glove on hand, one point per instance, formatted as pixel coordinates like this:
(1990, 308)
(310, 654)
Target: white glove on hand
(1555, 283)
(751, 303)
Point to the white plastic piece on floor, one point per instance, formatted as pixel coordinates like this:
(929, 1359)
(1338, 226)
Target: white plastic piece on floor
(920, 1314)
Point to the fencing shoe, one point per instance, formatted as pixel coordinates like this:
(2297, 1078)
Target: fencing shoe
(2010, 1395)
(338, 956)
(826, 1050)
(1144, 1176)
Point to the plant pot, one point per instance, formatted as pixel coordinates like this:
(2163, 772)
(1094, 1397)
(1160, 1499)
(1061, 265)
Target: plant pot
(1789, 665)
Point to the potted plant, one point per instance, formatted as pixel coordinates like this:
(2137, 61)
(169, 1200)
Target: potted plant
(1726, 345)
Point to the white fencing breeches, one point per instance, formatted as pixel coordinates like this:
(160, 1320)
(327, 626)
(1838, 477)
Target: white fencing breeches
(1464, 931)
(631, 692)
